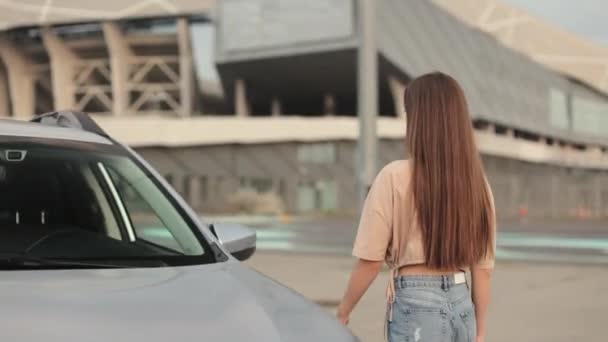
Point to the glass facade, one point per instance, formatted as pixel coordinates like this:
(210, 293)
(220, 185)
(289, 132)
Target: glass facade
(321, 195)
(258, 184)
(589, 116)
(583, 115)
(322, 153)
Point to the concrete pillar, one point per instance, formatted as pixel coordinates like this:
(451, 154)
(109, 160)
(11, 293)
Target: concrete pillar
(195, 192)
(367, 97)
(275, 107)
(278, 187)
(556, 200)
(597, 195)
(291, 194)
(329, 104)
(515, 196)
(21, 79)
(179, 181)
(602, 185)
(5, 101)
(120, 55)
(241, 104)
(490, 128)
(186, 69)
(63, 65)
(398, 91)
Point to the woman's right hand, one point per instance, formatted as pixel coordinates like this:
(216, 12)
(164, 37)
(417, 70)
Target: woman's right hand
(480, 339)
(363, 274)
(342, 315)
(343, 319)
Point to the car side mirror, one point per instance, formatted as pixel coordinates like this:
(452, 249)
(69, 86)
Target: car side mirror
(238, 239)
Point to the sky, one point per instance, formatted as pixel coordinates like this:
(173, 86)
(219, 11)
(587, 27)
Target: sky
(588, 18)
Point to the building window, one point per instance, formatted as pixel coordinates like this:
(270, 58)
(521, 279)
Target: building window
(258, 184)
(151, 26)
(318, 153)
(589, 116)
(321, 195)
(203, 47)
(558, 104)
(261, 185)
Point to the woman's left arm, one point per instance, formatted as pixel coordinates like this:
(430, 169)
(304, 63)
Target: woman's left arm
(362, 276)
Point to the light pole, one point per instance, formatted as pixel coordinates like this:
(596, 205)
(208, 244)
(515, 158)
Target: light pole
(367, 97)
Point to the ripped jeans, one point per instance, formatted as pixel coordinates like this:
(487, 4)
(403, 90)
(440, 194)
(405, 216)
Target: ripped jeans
(431, 309)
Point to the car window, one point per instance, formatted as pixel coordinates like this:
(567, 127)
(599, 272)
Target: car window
(149, 213)
(145, 221)
(70, 203)
(111, 224)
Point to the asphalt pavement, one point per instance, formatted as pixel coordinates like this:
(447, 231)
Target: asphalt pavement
(531, 302)
(548, 285)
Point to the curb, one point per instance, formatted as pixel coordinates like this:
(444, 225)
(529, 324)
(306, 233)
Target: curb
(251, 219)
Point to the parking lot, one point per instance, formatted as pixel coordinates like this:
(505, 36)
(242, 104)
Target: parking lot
(550, 281)
(532, 302)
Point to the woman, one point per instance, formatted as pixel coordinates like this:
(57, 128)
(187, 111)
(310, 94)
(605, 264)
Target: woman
(430, 218)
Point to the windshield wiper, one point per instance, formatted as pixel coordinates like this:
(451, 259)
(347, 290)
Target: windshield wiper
(27, 261)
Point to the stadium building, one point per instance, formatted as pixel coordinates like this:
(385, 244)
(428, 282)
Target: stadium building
(228, 95)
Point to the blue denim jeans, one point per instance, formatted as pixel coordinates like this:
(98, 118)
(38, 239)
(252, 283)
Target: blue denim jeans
(431, 309)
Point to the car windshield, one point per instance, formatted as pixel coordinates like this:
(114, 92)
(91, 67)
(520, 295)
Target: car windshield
(72, 204)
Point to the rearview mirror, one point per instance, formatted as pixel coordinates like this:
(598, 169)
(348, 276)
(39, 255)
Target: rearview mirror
(239, 240)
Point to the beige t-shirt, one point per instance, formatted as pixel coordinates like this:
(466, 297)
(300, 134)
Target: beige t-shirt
(388, 230)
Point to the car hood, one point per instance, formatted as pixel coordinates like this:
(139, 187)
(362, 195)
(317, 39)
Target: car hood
(219, 302)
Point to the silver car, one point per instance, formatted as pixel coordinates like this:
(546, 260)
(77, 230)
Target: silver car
(95, 246)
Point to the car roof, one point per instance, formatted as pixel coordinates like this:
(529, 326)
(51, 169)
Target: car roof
(23, 129)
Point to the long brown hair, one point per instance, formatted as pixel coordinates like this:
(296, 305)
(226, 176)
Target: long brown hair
(450, 194)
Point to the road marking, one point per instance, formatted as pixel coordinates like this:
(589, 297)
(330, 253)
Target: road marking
(512, 246)
(510, 255)
(286, 246)
(273, 234)
(284, 240)
(537, 240)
